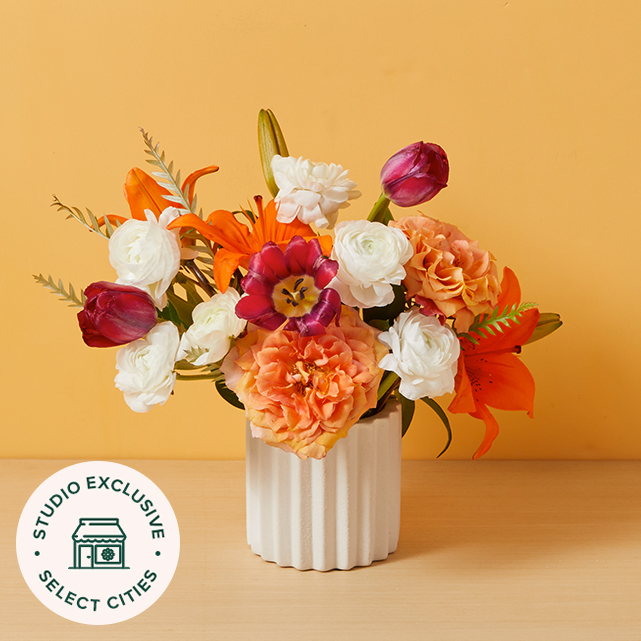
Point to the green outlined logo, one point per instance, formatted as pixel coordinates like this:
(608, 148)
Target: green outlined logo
(98, 543)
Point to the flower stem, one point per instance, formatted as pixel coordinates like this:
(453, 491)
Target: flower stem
(380, 212)
(197, 377)
(389, 383)
(202, 281)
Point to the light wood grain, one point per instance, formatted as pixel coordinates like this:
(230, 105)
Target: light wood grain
(488, 551)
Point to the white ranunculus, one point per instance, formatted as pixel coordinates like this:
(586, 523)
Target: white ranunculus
(208, 339)
(313, 192)
(146, 368)
(370, 260)
(424, 355)
(146, 254)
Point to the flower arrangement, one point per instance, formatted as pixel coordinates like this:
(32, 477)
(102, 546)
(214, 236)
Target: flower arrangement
(306, 332)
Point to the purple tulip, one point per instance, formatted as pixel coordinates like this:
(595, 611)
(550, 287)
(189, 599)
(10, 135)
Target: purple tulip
(415, 174)
(290, 287)
(115, 314)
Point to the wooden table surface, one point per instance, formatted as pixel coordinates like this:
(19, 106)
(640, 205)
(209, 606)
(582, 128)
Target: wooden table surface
(490, 550)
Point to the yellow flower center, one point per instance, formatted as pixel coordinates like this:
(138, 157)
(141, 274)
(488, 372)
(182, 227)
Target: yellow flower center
(295, 295)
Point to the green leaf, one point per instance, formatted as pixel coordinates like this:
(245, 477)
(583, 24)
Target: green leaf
(486, 325)
(166, 177)
(193, 297)
(59, 290)
(443, 416)
(271, 142)
(228, 395)
(379, 323)
(388, 312)
(182, 307)
(547, 324)
(407, 408)
(76, 214)
(170, 314)
(380, 212)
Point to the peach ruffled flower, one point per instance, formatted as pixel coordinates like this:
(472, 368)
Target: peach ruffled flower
(449, 269)
(303, 393)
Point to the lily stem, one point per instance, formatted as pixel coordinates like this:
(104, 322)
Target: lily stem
(202, 280)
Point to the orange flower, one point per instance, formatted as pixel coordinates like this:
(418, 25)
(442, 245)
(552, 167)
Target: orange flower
(238, 243)
(490, 373)
(143, 192)
(303, 393)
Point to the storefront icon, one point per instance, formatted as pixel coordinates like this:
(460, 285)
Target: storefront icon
(99, 543)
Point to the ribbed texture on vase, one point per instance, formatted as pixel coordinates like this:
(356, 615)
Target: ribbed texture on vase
(340, 512)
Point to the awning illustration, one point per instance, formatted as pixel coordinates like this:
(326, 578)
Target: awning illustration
(99, 530)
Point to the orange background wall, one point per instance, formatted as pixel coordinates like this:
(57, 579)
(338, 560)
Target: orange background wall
(536, 103)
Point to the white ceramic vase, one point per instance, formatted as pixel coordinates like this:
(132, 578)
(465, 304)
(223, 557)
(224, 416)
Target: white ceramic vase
(336, 513)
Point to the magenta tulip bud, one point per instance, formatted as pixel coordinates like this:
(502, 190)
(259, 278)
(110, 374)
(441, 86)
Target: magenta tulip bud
(115, 314)
(415, 174)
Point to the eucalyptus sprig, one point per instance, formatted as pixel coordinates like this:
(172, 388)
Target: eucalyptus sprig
(486, 325)
(59, 290)
(166, 176)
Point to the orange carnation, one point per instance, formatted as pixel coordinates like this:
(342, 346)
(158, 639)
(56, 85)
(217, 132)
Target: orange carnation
(449, 269)
(303, 393)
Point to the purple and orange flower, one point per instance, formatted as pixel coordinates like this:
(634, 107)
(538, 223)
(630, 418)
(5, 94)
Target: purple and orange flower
(290, 287)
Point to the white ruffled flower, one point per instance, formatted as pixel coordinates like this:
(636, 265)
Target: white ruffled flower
(208, 339)
(424, 355)
(313, 192)
(370, 258)
(145, 254)
(146, 368)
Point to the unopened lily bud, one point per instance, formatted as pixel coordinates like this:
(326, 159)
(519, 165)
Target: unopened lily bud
(271, 142)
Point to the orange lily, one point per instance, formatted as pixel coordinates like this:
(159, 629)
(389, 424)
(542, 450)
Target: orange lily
(490, 373)
(143, 192)
(238, 243)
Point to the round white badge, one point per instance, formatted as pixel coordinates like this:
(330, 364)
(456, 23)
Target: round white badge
(98, 543)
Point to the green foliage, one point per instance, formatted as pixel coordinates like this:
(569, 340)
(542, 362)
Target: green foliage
(88, 220)
(379, 323)
(388, 312)
(407, 408)
(59, 290)
(170, 314)
(380, 212)
(443, 416)
(486, 325)
(547, 324)
(193, 297)
(228, 395)
(182, 308)
(166, 176)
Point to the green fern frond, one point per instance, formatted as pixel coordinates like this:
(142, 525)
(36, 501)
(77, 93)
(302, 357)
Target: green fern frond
(88, 219)
(166, 176)
(59, 290)
(486, 325)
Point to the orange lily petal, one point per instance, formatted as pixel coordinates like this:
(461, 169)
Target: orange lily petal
(501, 381)
(225, 264)
(221, 227)
(510, 290)
(491, 430)
(463, 402)
(143, 192)
(190, 181)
